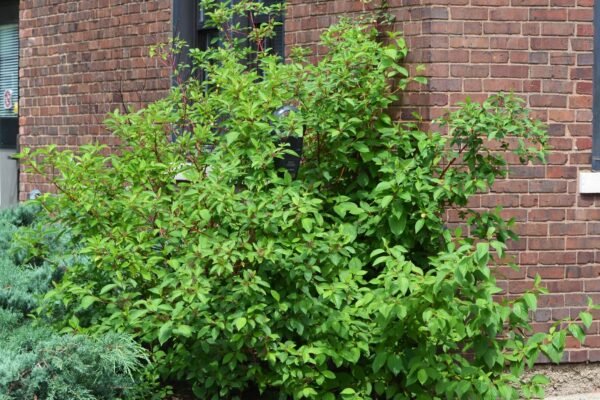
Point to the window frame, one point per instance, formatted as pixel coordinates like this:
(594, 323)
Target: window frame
(596, 92)
(9, 15)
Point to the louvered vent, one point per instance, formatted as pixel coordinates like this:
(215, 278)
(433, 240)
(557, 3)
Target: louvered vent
(9, 69)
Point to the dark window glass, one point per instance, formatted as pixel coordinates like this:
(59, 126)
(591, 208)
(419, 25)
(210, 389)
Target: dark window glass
(190, 25)
(208, 36)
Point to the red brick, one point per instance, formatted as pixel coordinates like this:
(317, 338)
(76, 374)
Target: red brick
(556, 243)
(568, 229)
(585, 30)
(557, 86)
(590, 242)
(546, 272)
(472, 28)
(580, 102)
(528, 172)
(558, 29)
(528, 200)
(564, 286)
(562, 58)
(545, 14)
(488, 56)
(507, 42)
(548, 186)
(547, 215)
(549, 72)
(506, 28)
(581, 14)
(561, 172)
(470, 71)
(582, 44)
(469, 13)
(547, 100)
(592, 285)
(561, 115)
(545, 43)
(557, 257)
(518, 3)
(509, 71)
(581, 73)
(509, 14)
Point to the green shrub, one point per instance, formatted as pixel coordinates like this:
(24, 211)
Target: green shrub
(342, 283)
(36, 362)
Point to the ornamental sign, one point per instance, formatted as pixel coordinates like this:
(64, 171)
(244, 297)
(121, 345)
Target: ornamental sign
(8, 101)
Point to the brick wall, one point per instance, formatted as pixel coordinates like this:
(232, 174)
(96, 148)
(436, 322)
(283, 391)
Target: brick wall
(541, 49)
(82, 59)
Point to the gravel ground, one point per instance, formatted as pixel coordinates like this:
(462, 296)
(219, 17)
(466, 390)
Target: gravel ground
(572, 381)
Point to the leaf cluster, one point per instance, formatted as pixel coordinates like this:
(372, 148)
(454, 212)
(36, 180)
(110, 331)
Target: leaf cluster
(35, 361)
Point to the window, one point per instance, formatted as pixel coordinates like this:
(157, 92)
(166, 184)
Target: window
(9, 74)
(189, 24)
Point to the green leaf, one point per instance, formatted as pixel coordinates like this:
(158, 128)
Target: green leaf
(361, 147)
(275, 295)
(328, 374)
(540, 379)
(422, 376)
(391, 52)
(232, 136)
(164, 333)
(87, 301)
(577, 332)
(394, 364)
(462, 387)
(530, 300)
(553, 354)
(307, 224)
(108, 288)
(505, 391)
(308, 392)
(490, 357)
(397, 225)
(183, 330)
(205, 215)
(386, 200)
(482, 251)
(419, 225)
(379, 361)
(240, 323)
(586, 318)
(340, 210)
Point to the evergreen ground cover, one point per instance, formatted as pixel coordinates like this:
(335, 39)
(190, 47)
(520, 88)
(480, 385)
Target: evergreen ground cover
(36, 362)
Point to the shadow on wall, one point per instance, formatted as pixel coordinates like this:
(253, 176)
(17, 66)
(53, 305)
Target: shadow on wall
(8, 179)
